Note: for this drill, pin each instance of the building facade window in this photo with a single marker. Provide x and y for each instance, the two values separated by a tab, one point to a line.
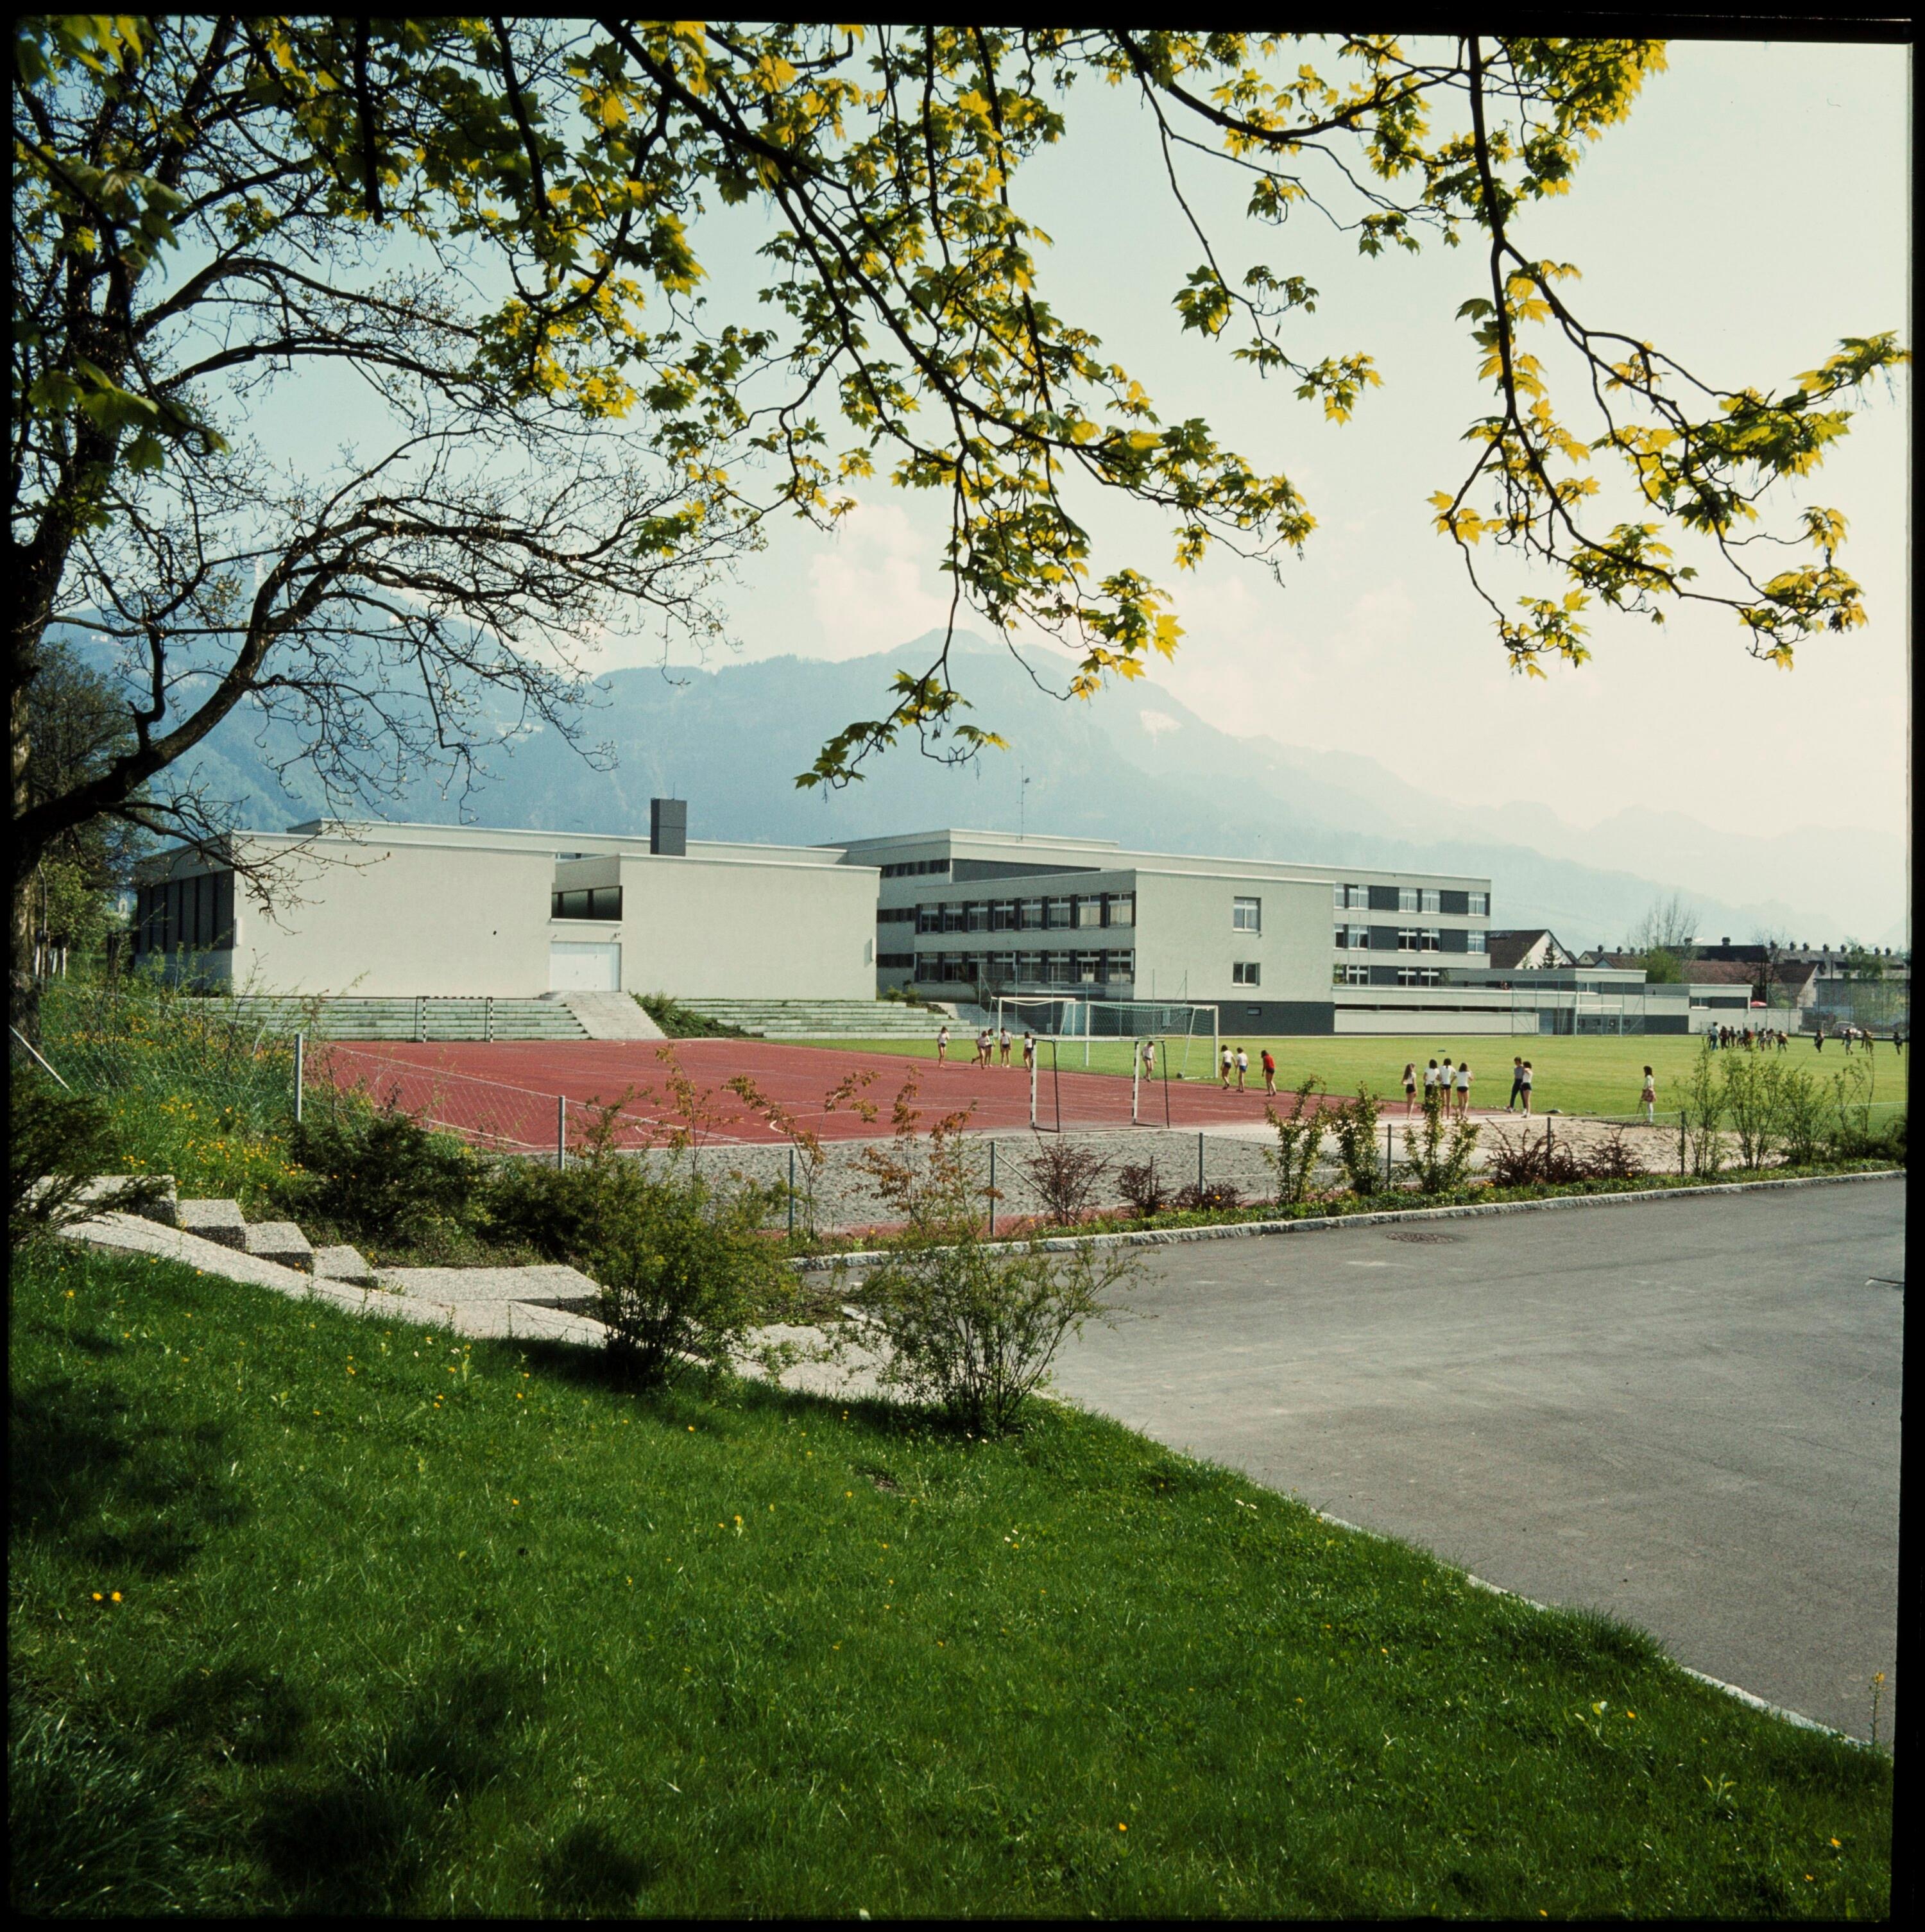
1003	916
1475	941
590	902
1480	905
1432	898
1407	899
892	962
1032	915
1407	939
1089	912
1123	909
1119	968
1433	941
1357	896
928	919
1350	976
979	916
1359	938
1246	915
1059	914
1246	972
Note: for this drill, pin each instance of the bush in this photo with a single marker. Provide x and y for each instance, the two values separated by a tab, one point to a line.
1803	1116
1439	1164
1701	1104
1299	1136
1752	1097
378	1174
683	1270
1612	1157
1209	1197
971	1329
1545	1161
1065	1177
1141	1188
968	1327
1354	1125
681	1022
57	1144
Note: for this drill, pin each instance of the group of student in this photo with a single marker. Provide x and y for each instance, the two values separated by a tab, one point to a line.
1858	1035
1753	1038
1447	1088
1234	1063
988	1044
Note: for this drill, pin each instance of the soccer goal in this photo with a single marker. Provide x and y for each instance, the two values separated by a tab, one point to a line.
1180	1026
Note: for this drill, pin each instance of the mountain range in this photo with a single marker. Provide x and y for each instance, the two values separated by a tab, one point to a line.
1136	765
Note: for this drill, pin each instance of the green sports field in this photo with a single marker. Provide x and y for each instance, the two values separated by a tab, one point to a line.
1573	1075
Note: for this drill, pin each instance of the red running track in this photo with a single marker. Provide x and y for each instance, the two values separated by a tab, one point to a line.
797	1078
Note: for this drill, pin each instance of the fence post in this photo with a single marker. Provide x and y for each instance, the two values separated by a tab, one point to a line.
1389	1164
1135	1079
300	1073
488	1018
792	1194
561	1133
1199	1161
1680	1143
420	1018
992	1190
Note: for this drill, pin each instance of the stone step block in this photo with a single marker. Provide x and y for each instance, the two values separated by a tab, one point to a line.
279	1241
220	1221
342	1263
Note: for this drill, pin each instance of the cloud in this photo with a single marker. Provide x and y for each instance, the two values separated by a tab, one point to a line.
872	585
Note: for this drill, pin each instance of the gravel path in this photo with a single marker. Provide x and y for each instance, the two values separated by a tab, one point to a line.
846	1195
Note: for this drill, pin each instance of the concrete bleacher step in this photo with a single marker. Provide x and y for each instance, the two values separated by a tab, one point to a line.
821	1019
350	1017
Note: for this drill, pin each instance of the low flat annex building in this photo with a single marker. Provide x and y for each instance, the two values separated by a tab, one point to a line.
387	911
1278	948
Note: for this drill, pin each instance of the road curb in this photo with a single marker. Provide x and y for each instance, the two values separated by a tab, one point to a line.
1242	1230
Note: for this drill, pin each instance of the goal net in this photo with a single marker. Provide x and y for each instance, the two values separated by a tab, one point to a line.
1185	1032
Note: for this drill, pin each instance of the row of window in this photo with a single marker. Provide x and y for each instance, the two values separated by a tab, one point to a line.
1348	975
1017	969
195	915
1409	939
1095	909
589	902
1410	899
914	868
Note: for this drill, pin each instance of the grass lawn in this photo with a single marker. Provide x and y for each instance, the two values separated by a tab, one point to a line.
309	1614
1575	1074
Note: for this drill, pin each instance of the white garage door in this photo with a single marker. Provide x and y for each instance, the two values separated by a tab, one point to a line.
575	966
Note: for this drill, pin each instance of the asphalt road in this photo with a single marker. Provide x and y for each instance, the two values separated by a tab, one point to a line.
1685	1413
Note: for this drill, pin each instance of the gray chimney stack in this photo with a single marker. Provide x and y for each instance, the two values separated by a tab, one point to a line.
668	827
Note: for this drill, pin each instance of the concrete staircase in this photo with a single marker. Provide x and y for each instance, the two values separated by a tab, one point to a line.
823	1019
425	1018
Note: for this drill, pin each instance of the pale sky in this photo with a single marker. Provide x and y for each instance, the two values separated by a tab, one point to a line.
1754	209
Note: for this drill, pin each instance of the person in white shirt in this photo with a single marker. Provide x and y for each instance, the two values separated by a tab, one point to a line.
1003	1042
1446	1082
1524	1079
1463	1091
1650	1097
1430	1086
1149	1059
1229	1062
1029	1049
1242	1067
942	1046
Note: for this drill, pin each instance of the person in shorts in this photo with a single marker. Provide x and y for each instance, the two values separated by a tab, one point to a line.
1463	1091
1430	1086
1150	1059
1516	1082
1229	1067
1270	1072
1446	1083
1650	1097
1525	1078
1410	1086
942	1046
1003	1042
1242	1067
1029	1052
